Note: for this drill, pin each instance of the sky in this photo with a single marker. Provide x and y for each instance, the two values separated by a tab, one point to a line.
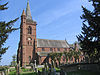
56	19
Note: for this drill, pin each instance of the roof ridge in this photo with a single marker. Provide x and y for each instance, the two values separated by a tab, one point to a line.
50	39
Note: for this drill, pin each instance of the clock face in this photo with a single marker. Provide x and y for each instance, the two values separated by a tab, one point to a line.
29	38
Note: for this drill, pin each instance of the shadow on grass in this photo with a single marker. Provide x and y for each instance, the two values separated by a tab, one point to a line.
83	73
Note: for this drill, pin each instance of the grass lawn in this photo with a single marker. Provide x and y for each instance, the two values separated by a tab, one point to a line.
23	73
28	73
12	73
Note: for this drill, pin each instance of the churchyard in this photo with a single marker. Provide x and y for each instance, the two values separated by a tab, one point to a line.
68	69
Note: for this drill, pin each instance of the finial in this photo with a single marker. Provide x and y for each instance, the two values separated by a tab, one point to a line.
65	39
23	13
27	1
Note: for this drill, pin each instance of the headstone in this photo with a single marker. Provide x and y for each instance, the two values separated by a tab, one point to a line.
54	71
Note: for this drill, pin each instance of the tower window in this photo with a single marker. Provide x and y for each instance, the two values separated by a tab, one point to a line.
28	42
29	30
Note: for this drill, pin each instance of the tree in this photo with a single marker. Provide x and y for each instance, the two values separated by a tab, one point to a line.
89	38
76	55
14	59
58	57
66	56
70	54
53	59
5	29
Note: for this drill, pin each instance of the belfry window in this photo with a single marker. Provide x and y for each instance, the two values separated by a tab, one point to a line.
29	30
28	42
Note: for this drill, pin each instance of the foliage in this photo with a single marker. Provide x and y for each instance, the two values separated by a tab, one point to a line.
3	68
58	57
76	54
72	53
12	72
12	69
5	29
40	69
66	56
53	59
3	7
13	63
57	69
89	38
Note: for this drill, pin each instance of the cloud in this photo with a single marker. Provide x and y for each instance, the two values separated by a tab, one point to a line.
50	15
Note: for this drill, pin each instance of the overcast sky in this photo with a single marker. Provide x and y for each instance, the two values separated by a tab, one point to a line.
56	19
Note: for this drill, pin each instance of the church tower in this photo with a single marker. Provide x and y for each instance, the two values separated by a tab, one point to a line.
27	45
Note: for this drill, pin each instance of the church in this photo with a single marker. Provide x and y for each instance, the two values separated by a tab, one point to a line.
30	48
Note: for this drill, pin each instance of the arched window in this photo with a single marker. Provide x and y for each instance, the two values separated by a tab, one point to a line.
28	42
29	30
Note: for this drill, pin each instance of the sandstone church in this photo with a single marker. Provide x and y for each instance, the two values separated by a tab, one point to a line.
30	48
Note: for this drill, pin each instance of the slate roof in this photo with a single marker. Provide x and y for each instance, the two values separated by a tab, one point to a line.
52	43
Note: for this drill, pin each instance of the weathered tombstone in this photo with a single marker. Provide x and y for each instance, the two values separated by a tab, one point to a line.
39	73
33	67
57	73
44	71
62	72
35	63
49	70
8	71
3	73
18	69
54	71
